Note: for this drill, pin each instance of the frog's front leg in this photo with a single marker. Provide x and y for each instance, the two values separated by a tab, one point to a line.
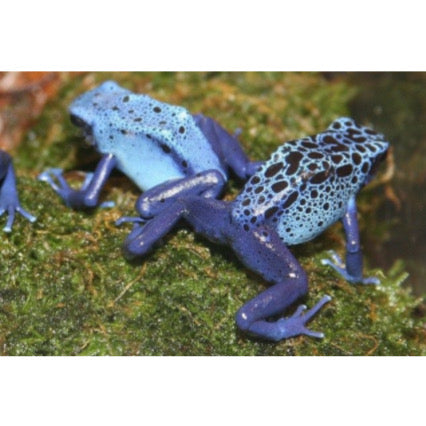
227	147
9	201
352	269
207	184
88	195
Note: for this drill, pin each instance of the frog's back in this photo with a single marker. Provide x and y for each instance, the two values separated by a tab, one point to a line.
153	141
305	185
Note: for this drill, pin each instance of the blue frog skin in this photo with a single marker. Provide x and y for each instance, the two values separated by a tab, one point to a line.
9	201
304	187
164	149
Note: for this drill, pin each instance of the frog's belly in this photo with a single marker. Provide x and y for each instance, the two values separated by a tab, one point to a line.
148	167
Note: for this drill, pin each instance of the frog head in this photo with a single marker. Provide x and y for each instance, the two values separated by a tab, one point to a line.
376	158
368	148
91	108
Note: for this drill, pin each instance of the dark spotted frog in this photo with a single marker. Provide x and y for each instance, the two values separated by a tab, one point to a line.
304	187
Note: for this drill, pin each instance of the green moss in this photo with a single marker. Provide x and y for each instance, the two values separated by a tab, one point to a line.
68	290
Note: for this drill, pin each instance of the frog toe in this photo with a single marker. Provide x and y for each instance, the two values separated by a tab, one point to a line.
26	214
370	281
8	227
55	171
303	316
337	264
11	206
129	219
335	259
10	218
296	324
311	333
107	204
50	175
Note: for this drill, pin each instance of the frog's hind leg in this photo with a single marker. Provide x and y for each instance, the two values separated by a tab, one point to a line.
263	252
260	249
143	237
226	147
207	184
206	215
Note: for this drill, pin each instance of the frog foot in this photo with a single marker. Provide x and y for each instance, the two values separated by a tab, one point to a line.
339	266
50	175
11	205
54	177
295	325
130	219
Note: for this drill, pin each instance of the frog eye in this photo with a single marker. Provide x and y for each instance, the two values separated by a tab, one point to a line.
77	121
377	160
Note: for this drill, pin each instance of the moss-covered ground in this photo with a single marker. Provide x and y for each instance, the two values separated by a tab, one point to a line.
67	290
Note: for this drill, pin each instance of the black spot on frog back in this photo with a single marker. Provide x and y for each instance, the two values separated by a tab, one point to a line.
273	169
345	170
293	160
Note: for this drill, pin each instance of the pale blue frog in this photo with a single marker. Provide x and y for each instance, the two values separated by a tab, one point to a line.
164	149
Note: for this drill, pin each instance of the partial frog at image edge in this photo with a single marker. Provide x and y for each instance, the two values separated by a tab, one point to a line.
9	201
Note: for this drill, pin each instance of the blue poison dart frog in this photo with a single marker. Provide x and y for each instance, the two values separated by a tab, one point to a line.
9	202
164	149
304	187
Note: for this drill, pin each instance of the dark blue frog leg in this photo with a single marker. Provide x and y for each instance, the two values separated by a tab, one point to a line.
352	270
9	201
226	147
142	238
207	184
89	193
264	253
260	249
192	208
